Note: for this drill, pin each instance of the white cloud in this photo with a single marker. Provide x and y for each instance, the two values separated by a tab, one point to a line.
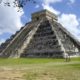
9	19
46	5
71	23
50	8
69	20
48	2
37	6
71	1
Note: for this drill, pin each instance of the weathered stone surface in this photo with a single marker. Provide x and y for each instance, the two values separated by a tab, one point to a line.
42	37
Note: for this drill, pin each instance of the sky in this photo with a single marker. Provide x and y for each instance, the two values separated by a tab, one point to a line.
68	12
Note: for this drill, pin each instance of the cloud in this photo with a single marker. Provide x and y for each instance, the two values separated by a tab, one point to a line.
9	19
37	6
50	8
71	1
46	5
48	2
71	23
69	20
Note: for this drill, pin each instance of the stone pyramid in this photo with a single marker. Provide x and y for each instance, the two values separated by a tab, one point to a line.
42	37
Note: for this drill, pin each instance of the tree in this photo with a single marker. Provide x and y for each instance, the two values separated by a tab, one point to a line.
17	3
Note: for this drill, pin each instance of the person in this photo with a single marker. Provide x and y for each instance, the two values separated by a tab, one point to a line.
67	57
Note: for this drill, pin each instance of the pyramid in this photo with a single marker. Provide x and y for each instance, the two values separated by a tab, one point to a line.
44	36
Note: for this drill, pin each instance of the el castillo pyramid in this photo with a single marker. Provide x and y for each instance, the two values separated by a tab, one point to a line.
42	37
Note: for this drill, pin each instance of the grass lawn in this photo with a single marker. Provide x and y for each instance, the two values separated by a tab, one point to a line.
39	69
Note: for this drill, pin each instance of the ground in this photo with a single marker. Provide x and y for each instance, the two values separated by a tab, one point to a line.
39	69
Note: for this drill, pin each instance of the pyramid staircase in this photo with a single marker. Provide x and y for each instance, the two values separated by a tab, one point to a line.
44	43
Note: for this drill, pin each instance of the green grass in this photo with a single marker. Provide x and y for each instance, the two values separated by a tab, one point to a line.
75	59
19	61
40	69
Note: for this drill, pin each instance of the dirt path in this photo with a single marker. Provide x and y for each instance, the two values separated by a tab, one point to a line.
11	75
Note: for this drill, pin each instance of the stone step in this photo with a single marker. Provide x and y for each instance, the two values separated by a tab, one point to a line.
45	37
47	41
43	46
44	29
35	51
45	32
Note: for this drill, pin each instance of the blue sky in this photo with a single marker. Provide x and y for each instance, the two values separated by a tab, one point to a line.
68	12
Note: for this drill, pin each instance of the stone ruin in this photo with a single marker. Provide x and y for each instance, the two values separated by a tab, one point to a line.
44	36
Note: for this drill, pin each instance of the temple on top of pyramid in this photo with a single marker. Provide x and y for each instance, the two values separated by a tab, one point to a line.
43	15
42	37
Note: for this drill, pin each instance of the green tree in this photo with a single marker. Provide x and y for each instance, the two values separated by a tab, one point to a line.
17	3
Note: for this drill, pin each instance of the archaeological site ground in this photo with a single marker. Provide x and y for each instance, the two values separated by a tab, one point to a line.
39	51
